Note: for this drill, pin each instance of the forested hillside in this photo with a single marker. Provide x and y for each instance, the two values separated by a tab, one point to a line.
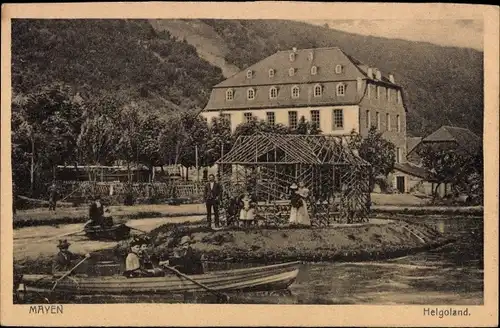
107	56
443	85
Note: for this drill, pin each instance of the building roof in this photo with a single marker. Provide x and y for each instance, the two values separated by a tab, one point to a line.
462	137
325	59
411	143
413	170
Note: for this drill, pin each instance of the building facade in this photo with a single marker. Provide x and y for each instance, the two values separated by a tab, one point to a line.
324	85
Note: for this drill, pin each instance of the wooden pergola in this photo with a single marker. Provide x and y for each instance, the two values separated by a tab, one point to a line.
267	164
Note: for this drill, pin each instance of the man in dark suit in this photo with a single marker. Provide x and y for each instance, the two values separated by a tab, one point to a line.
213	194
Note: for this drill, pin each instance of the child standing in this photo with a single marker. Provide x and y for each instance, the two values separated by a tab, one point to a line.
247	213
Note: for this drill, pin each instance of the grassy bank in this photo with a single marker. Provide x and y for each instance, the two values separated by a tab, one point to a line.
380	239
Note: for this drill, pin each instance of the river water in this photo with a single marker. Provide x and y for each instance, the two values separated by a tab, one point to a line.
451	275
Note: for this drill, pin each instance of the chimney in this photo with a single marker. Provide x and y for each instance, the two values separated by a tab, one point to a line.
391	78
370	72
378	75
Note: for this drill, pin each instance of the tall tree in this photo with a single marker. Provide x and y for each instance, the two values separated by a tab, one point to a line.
44	127
99	133
448	164
377	151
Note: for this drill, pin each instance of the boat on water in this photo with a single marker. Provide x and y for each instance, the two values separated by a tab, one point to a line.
113	232
263	278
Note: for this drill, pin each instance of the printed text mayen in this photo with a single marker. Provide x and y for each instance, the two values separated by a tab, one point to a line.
46	309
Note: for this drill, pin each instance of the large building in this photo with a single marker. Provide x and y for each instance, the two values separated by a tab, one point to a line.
324	85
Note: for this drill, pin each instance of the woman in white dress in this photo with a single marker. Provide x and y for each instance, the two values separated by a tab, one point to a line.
302	213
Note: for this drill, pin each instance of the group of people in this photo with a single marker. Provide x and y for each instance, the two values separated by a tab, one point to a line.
243	208
139	262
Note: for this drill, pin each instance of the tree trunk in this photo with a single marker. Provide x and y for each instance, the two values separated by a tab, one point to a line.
434	194
32	171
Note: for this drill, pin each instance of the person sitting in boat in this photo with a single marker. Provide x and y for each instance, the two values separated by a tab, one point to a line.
65	260
96	212
149	262
186	261
134	266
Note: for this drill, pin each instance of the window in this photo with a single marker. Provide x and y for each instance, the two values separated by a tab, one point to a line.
369	91
398	123
229	94
377	115
291	71
338	119
359	84
398	155
388	95
368	119
292	57
318	90
292	119
310	56
314	70
388	121
271	118
249	74
273	93
271	72
315	118
341	89
398	98
338	69
248	117
226	117
250	94
295	92
378	92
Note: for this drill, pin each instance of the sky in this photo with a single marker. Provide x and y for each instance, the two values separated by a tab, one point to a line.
465	33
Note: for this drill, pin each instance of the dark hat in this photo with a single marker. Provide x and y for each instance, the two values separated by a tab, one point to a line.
63	244
138	241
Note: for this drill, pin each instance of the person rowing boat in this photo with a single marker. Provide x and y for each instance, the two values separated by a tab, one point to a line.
64	260
185	260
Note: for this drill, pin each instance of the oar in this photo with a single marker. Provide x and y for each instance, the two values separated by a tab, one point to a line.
67	273
144	232
224	297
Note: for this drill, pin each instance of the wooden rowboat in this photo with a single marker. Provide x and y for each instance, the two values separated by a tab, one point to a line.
264	278
114	232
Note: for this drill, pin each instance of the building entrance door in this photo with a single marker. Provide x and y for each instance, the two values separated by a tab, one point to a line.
400	184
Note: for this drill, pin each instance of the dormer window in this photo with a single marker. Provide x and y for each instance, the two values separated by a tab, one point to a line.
318	90
291	71
271	72
250	94
292	56
295	92
273	93
314	70
310	56
341	89
339	69
249	74
229	94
